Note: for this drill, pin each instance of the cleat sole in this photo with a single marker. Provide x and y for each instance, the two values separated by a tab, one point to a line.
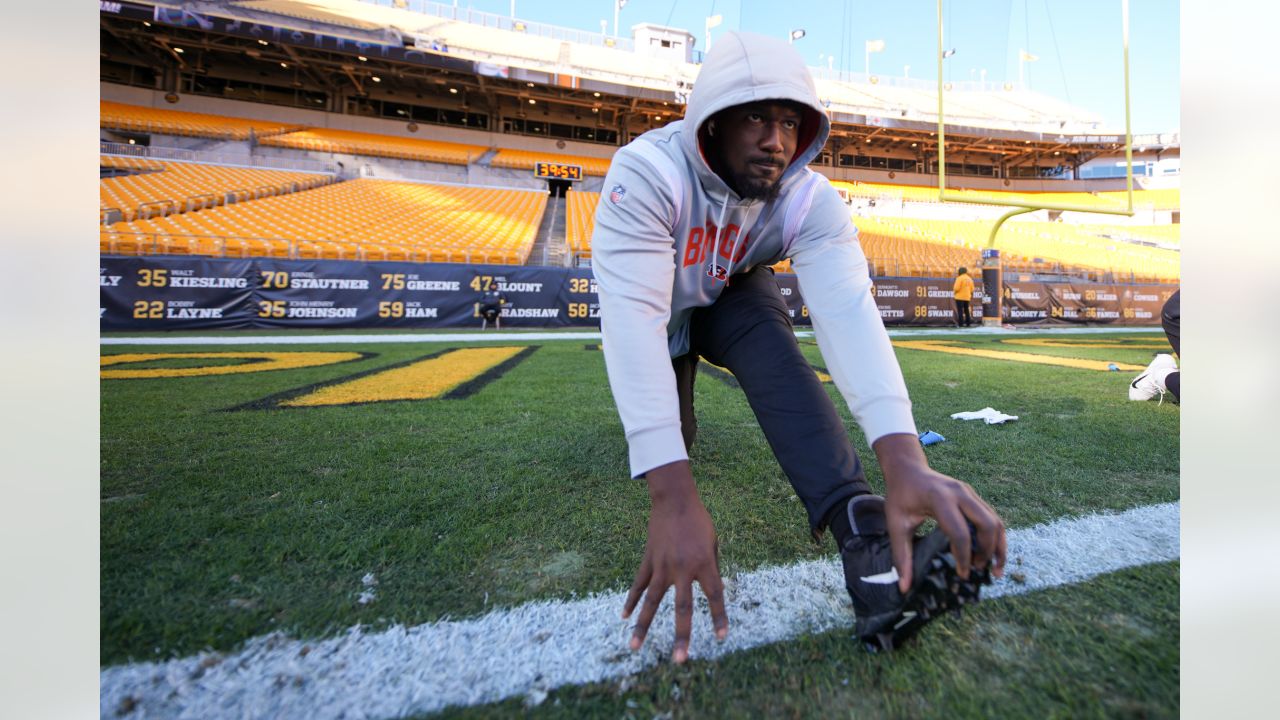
939	591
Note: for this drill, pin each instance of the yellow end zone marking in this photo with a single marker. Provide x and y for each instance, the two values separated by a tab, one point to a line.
423	380
1067	343
261	362
939	346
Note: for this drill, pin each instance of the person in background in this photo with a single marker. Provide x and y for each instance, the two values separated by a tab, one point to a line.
962	291
491	304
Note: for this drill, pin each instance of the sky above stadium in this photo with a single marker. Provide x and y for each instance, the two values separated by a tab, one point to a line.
1076	43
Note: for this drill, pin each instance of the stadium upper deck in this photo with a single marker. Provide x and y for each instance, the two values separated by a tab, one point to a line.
424	62
497	40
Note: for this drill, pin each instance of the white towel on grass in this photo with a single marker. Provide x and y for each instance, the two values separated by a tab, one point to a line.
990	415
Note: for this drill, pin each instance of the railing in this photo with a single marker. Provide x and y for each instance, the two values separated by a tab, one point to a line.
504	22
148	210
150	128
408	173
197	156
208	200
234	246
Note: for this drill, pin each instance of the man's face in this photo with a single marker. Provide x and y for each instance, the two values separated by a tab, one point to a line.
752	145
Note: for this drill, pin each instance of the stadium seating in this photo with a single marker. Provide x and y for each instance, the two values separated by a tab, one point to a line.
927	247
525	159
1113	200
359	219
137	118
322	11
136	164
916	247
166	187
360	143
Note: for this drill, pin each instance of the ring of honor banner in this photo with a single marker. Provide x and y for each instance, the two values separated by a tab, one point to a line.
1064	303
901	301
169	293
186	293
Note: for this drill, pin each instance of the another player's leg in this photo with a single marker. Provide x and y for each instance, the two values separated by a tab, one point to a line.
1162	374
1171	319
748	331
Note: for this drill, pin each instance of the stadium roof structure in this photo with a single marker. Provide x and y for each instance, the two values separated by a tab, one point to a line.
497	62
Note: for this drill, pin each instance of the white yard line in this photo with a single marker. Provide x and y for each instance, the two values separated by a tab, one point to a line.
538	646
534	336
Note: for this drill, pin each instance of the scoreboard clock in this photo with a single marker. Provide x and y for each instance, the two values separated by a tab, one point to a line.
557	171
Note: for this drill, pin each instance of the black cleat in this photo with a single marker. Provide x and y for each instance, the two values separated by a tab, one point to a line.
886	619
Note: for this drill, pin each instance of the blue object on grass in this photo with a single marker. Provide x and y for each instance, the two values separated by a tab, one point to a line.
929	437
1113	367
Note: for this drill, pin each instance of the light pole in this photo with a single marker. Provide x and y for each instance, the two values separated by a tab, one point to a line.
872	46
794	35
1024	57
617	5
713	21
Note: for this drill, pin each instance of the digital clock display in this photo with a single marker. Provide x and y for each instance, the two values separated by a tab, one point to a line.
559	171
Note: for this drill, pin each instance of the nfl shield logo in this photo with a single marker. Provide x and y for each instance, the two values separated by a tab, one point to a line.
616	194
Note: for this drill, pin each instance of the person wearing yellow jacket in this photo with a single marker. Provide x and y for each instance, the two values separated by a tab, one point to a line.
962	291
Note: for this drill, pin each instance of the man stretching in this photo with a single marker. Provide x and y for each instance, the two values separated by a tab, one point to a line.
690	218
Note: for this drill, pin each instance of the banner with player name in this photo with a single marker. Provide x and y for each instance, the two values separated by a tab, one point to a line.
178	293
901	301
1065	303
172	293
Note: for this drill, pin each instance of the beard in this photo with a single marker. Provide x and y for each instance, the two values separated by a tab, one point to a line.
755	188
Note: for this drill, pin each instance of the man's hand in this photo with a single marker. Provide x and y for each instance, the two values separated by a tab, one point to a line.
681	548
914	491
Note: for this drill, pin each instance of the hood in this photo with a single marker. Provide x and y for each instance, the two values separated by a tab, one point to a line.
745	67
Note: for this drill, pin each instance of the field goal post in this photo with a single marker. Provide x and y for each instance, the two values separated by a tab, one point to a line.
990	256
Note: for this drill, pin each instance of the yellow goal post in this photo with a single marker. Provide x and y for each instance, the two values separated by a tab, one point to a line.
1024	207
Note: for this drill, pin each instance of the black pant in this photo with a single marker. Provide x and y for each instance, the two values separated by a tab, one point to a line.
748	331
1171	319
962	313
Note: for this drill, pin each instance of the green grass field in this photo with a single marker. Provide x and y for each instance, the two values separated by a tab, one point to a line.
226	516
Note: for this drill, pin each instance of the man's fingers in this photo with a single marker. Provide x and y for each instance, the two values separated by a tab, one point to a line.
713	588
987	526
952	523
1002	550
652	599
900	546
994	552
637	589
684	621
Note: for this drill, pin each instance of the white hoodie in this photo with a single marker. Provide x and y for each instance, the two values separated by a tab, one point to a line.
664	215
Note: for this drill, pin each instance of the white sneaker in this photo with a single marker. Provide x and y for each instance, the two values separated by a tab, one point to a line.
1150	384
